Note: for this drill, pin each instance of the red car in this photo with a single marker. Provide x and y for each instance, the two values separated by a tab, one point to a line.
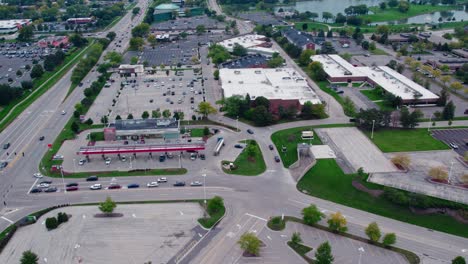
72	188
114	186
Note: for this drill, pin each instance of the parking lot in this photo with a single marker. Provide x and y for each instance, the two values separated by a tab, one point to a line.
262	18
182	93
149	232
459	138
15	57
182	24
172	53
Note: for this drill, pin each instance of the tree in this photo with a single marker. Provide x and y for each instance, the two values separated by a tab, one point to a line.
365	44
313	111
152	40
141	30
251	150
166	113
296	238
403	6
62	217
317	71
449	111
275	61
136	43
206	131
29	257
75	127
104	119
326	16
304	58
261	116
323	254
25	33
156	113
383	5
77	40
389	239
26	85
206	109
311	215
409	120
402	160
373	232
215	205
37	71
200	29
239	50
250	243
337	222
145	115
51	223
135	10
438	173
130	116
216	74
459	260
456	86
107	206
349	107
118	117
111	35
89	121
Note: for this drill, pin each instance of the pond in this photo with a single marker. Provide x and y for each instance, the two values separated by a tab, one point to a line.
436	17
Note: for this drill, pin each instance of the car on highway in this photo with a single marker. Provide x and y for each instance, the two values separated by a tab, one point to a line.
152	184
72	188
6	145
51	190
250	131
108	161
179	183
196	183
3	164
133	186
162	179
96	186
37	175
72	184
453	145
41	138
271	147
114	186
43	185
277	159
92	178
36	190
82	162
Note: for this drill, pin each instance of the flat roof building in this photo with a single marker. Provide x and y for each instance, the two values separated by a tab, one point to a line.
12	25
167	128
339	70
273	84
131	69
253	43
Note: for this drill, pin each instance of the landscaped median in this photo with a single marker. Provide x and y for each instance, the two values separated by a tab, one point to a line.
215	209
148	172
250	161
302	249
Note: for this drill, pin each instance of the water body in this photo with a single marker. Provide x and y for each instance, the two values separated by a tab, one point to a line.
332	6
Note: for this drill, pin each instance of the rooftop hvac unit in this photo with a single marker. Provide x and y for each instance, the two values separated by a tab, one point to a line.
258	72
241	82
347	73
237	72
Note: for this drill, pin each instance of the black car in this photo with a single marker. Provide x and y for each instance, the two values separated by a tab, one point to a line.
270	147
133	185
202	156
3	165
6	146
277	159
92	178
179	183
36	190
238	146
250	131
162	158
51	189
41	138
72	184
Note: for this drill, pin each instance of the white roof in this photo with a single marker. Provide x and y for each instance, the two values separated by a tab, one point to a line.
13	23
335	66
283	83
250	42
395	83
138	68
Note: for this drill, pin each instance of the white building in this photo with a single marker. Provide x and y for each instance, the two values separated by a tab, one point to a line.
253	43
12	25
273	84
339	71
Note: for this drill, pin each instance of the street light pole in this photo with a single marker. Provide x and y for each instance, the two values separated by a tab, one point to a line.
204	188
450	172
429	125
63	180
372	134
237	124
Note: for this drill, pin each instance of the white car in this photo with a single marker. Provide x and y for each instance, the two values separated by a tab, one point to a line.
163	179
81	162
108	161
63	112
43	185
96	186
453	145
152	184
123	158
196	183
38	175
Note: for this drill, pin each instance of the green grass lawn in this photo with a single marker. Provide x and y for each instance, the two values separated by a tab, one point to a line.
390	14
302	250
312	26
396	140
291	137
208	222
326	180
373	94
378	52
247	166
196	132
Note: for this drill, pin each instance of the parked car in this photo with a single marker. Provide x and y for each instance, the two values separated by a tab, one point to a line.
43	185
36	190
196	183
108	161
46	181
6	145
96	186
277	159
3	164
202	156
51	190
152	184
114	186
238	146
92	178
37	175
453	145
162	158
133	185
179	183
41	138
82	162
71	189
250	131
271	147
72	184
162	179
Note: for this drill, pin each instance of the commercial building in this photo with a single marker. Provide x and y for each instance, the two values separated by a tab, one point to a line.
164	12
12	25
54	41
255	44
166	128
80	20
301	39
248	61
127	69
283	87
339	71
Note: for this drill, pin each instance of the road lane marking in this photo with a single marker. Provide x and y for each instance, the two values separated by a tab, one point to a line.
6	219
34	184
258	217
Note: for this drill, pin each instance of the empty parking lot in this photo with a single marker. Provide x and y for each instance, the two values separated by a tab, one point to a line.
150	232
458	137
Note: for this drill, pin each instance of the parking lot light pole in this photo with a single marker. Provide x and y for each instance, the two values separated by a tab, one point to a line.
63	180
204	188
237	124
430	121
74	165
372	133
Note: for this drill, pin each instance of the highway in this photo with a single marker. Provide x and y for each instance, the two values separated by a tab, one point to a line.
249	200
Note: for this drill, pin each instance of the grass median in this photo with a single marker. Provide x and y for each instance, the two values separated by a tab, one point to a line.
250	161
327	181
41	85
392	13
398	140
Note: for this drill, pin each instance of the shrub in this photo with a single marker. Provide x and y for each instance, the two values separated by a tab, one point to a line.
62	217
51	223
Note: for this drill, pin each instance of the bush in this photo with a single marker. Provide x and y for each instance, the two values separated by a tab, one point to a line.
51	223
62	217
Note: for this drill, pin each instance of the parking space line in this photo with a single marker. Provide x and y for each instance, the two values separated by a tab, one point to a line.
32	186
6	219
